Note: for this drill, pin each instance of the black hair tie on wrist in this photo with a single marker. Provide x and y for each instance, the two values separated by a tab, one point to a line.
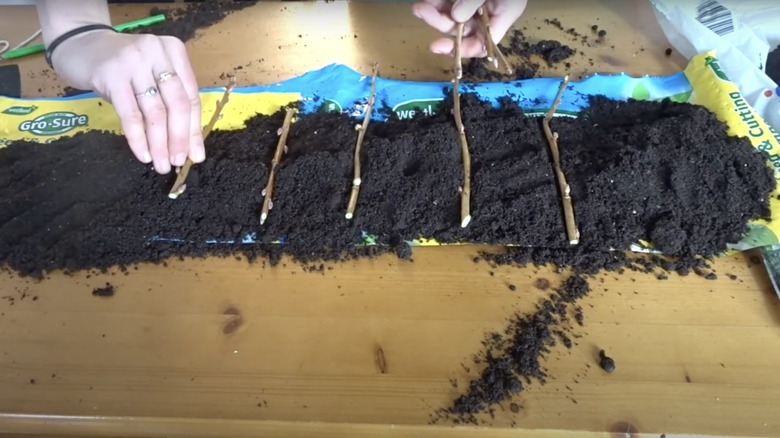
71	33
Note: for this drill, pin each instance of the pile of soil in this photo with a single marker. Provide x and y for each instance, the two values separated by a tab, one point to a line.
663	171
184	22
519	54
85	202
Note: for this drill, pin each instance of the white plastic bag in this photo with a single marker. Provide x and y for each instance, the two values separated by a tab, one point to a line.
742	32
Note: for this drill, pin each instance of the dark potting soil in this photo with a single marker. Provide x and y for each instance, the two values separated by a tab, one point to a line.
184	22
85	202
513	358
313	184
773	65
638	170
606	362
518	53
106	291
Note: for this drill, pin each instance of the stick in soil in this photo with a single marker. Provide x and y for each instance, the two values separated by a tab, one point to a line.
179	185
268	191
552	138
494	55
353	197
465	194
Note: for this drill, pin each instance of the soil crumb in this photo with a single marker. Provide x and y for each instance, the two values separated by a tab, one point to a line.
606	363
542	284
106	291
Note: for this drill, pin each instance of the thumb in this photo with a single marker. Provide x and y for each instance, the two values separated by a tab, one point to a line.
463	10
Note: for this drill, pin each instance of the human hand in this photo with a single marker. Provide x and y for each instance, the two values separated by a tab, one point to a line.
151	84
444	15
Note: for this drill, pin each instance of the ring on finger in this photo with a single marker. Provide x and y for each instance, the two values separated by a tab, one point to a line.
164	76
151	91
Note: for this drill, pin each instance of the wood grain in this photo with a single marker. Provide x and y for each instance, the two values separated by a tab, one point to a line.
218	347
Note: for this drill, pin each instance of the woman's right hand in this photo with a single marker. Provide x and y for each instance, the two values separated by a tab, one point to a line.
444	15
151	84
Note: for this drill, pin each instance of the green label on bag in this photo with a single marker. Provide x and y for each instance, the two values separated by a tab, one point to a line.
20	110
54	123
330	106
713	63
411	108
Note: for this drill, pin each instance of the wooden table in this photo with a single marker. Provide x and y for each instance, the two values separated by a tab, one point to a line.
694	356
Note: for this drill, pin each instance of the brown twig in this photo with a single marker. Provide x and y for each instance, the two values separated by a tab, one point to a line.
494	55
268	192
179	185
465	194
353	197
552	138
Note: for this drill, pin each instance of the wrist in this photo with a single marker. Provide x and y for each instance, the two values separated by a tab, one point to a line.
73	36
58	17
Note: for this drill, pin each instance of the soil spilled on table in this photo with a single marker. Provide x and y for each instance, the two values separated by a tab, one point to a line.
512	359
106	291
184	22
527	58
523	56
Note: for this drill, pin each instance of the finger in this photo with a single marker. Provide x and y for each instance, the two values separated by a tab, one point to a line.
440	5
504	16
442	21
177	106
122	98
463	10
155	119
433	17
177	54
473	47
443	46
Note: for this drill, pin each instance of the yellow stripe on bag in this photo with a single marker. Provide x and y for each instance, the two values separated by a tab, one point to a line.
46	120
713	90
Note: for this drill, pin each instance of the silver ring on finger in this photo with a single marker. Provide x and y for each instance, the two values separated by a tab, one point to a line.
151	91
164	76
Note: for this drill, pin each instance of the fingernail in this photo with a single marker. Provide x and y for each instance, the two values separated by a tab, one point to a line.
162	167
146	158
179	160
457	13
440	51
198	154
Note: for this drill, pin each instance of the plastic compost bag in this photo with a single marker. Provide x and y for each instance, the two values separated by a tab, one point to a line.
339	88
741	32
